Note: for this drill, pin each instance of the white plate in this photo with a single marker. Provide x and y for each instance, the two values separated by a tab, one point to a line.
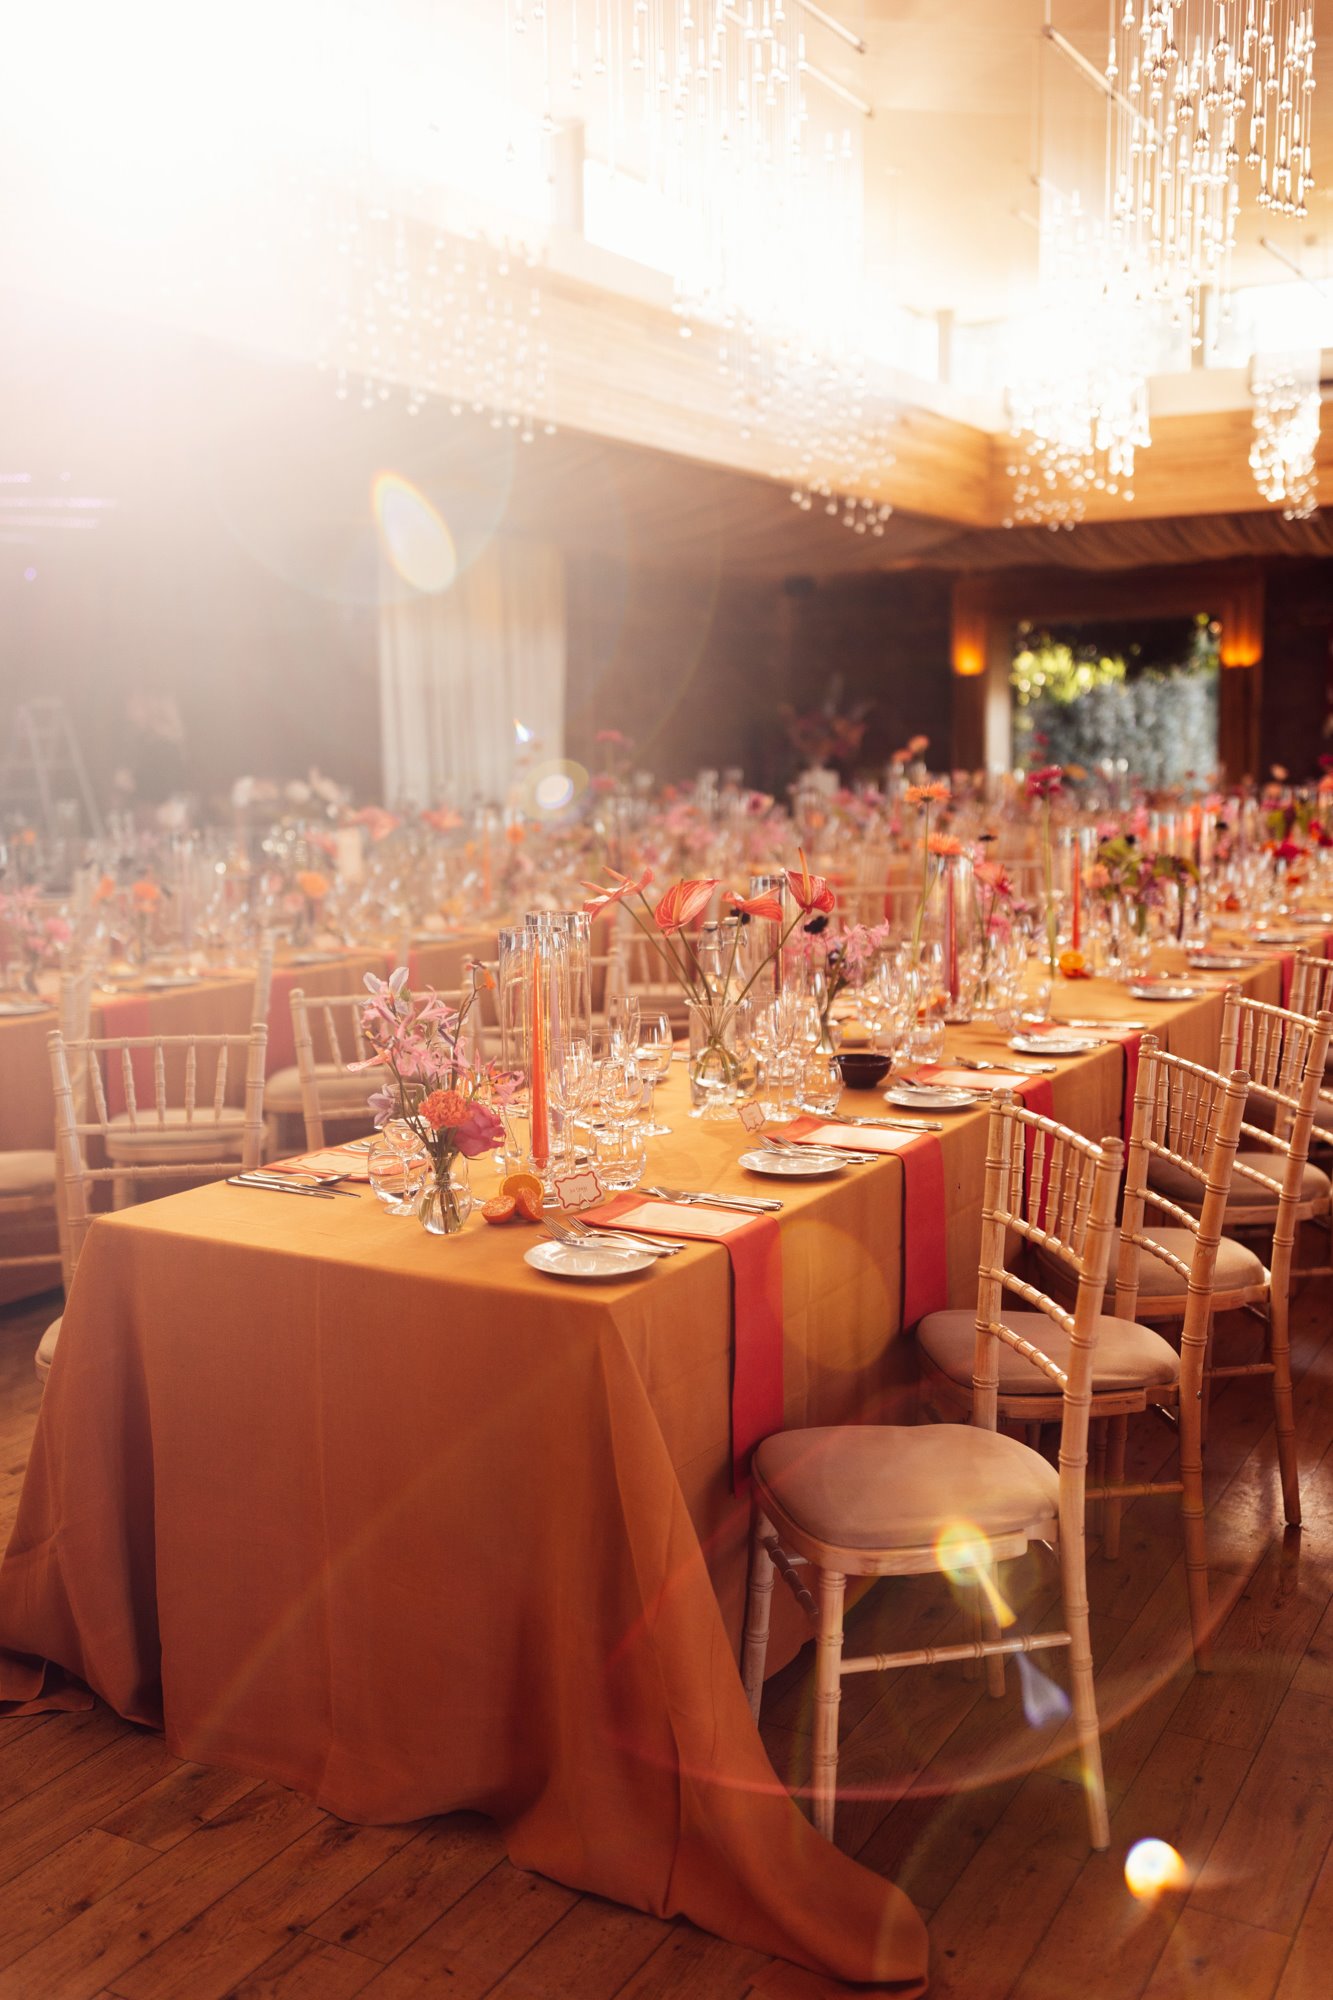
24	1007
931	1097
1052	1045
1167	989
158	982
556	1260
1217	961
787	1167
1280	937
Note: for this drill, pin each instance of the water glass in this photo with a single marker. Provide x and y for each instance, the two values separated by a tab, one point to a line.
821	1084
397	1165
620	1156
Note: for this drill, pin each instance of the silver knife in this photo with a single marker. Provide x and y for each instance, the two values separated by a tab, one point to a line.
281	1187
884	1124
704	1200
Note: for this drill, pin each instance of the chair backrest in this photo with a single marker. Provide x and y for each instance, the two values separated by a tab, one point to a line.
264	977
326	1029
1311	984
76	1125
1190	1118
1050	1187
1284	1055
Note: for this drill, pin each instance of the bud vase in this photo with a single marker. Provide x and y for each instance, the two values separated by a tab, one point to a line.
445	1202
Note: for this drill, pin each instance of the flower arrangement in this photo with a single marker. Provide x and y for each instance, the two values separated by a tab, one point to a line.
825	735
842	959
450	1102
38	937
708	988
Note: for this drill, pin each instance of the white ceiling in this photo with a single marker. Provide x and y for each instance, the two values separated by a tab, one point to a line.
970	102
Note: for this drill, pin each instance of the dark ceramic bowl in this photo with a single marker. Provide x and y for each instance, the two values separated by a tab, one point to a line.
862	1069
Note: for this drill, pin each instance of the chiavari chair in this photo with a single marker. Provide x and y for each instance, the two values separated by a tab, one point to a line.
201	1137
330	1094
1135	1369
876	1500
28	1175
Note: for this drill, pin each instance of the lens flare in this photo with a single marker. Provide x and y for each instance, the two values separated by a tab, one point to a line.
522	734
549	787
416	543
1152	1866
1044	1700
964	1554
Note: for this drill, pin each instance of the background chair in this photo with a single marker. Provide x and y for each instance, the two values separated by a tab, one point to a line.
198	1135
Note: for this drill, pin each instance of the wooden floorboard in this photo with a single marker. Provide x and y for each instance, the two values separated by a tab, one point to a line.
126	1874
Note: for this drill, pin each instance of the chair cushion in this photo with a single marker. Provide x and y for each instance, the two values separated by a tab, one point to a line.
46	1349
1127	1356
1245	1195
28	1173
1237	1267
175	1136
337	1090
881	1486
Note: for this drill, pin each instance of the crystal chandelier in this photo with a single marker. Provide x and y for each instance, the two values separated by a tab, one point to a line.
1286	395
1077	392
1195	86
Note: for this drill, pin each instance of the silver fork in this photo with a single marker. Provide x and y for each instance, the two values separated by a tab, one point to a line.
790	1149
1006	1069
572	1232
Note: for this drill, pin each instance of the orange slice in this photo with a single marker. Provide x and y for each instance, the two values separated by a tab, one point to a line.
517	1184
502	1208
529	1205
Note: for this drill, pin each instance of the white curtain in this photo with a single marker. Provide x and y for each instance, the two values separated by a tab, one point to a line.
461	671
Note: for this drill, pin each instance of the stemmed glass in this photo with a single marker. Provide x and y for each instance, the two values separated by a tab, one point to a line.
653	1060
622	1019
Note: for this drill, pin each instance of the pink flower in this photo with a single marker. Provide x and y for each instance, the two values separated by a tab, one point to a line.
1045	783
682	903
480	1131
810	892
603	898
757	906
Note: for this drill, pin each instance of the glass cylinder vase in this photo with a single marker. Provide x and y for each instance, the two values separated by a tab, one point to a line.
445	1201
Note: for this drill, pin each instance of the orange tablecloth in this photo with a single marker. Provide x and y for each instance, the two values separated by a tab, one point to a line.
400	1523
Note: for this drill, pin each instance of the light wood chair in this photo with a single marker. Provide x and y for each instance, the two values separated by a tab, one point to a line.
878	1500
200	1137
1273	1190
330	1094
1135	1368
28	1175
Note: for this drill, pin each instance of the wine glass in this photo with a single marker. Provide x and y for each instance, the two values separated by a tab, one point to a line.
653	1060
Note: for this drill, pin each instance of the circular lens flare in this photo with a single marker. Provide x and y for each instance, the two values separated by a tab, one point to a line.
1152	1866
416	543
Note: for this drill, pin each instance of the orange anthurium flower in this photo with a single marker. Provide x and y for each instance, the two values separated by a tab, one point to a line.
756	906
312	884
146	894
682	903
811	892
603	898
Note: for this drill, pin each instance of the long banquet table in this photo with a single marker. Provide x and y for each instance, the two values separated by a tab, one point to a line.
404	1525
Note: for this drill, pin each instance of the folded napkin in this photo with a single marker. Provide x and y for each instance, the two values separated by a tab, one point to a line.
981	1080
925	1262
351	1164
754	1247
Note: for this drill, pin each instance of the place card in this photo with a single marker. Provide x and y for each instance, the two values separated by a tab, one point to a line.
751	1117
579	1188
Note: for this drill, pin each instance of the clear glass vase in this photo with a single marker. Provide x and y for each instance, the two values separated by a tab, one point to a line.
445	1201
721	1064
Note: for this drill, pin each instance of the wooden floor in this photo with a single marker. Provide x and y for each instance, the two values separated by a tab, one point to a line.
126	1872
